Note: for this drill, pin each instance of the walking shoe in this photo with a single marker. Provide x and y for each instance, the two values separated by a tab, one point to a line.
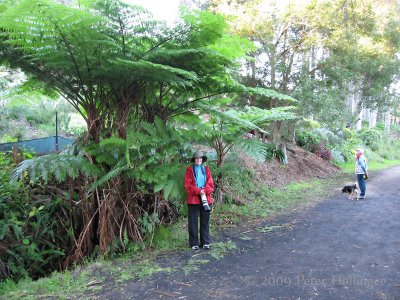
206	247
195	247
361	197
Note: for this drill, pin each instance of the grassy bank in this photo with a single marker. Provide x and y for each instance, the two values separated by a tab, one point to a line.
140	261
372	165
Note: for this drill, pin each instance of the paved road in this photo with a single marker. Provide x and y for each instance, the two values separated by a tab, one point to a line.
339	249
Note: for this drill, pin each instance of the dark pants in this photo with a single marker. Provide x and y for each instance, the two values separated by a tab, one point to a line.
193	224
361	184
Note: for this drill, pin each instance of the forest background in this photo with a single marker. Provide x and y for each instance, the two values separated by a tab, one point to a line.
233	78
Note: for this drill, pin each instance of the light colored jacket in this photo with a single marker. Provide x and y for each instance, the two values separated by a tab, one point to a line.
361	165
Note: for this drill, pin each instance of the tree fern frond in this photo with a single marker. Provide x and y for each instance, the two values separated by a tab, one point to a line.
20	170
261	116
230	118
54	166
44	172
253	148
152	72
116	171
270	94
237	88
113	141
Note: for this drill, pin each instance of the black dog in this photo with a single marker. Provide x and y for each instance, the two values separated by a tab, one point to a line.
352	190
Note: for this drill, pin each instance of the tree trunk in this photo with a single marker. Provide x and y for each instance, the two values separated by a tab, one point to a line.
387	122
359	120
218	188
282	147
93	123
253	81
292	132
107	217
218	181
351	97
122	118
373	114
276	132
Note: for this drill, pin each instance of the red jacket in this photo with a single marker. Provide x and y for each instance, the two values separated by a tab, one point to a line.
193	192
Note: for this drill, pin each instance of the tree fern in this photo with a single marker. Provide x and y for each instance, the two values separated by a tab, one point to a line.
83	52
162	169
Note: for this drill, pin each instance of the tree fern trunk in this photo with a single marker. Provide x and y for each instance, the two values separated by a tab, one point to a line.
218	182
93	123
276	132
218	189
122	115
84	222
107	218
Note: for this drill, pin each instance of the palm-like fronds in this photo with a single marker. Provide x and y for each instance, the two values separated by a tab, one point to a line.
253	148
54	166
152	72
119	168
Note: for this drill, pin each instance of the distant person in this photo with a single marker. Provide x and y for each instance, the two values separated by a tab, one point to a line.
199	185
361	171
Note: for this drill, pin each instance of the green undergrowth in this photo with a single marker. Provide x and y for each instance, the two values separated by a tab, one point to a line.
263	202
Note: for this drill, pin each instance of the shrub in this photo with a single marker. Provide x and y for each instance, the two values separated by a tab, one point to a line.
6	138
372	137
16	112
327	137
337	156
33	229
324	153
380	126
273	152
308	140
238	180
42	114
389	149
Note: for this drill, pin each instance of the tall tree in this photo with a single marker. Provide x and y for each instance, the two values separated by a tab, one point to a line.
315	50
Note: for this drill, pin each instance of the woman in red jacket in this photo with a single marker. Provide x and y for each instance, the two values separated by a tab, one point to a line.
199	185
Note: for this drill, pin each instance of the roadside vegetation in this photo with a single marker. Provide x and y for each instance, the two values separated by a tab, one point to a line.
148	95
140	258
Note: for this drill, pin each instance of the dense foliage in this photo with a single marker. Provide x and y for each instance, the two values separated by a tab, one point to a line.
35	227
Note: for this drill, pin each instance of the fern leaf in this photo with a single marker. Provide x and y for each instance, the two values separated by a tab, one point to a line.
168	188
253	148
116	171
159	187
55	166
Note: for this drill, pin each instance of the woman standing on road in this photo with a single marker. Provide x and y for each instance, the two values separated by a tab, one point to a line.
361	171
199	185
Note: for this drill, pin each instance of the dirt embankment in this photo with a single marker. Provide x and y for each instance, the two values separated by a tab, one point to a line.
301	165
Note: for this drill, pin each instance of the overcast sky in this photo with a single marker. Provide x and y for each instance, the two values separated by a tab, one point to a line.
162	9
